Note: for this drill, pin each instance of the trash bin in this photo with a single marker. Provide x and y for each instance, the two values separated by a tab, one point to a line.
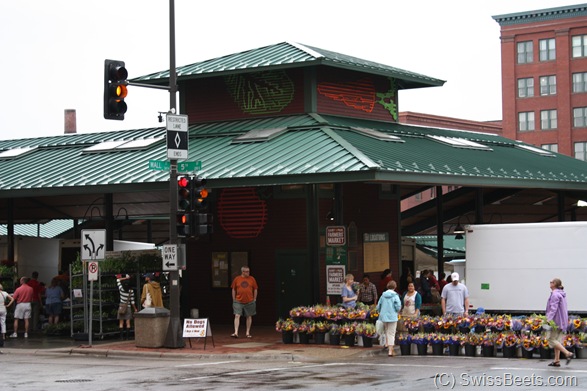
151	327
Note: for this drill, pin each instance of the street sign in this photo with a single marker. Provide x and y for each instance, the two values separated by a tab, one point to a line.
177	136
170	258
93	245
159	165
93	271
189	166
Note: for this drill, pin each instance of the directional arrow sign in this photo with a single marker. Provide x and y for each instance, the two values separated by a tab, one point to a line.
177	136
93	245
169	257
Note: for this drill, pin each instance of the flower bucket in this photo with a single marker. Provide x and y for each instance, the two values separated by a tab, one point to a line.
545	353
428	328
319	338
335	339
349	340
422	349
470	350
304	338
581	352
438	349
405	349
287	337
480	329
510	352
453	349
488	351
367	341
527	353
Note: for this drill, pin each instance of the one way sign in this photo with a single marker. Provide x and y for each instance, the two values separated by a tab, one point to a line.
170	258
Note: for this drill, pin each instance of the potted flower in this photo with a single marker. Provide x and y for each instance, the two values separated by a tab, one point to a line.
286	327
544	348
412	325
454	342
405	343
529	343
334	334
421	342
435	340
347	330
304	330
488	344
428	323
367	331
510	345
471	341
464	324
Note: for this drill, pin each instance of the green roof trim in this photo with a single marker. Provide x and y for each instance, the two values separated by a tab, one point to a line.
288	55
308	149
571	11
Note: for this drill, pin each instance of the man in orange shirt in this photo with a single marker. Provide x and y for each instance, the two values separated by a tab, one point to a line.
37	302
244	300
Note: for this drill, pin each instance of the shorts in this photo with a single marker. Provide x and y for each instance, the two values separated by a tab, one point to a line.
22	311
248	309
54	308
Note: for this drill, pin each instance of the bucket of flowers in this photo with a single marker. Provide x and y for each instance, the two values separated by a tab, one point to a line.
534	323
334	334
576	325
529	343
488	344
412	324
544	348
332	313
471	341
454	342
421	342
464	324
428	323
347	331
446	324
435	340
516	325
304	330
481	323
511	342
405	343
286	327
367	332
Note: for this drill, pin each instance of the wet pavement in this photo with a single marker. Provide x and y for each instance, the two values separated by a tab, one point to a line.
266	343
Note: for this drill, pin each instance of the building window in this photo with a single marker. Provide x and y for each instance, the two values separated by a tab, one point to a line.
547	85
580	82
550	147
580	151
525	52
580	46
548	119
526	121
547	49
525	88
580	117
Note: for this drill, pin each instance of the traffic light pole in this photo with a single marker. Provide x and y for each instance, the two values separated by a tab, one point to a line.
174	337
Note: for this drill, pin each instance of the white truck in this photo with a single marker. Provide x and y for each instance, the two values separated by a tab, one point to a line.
509	266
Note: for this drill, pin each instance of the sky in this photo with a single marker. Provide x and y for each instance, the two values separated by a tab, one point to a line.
53	52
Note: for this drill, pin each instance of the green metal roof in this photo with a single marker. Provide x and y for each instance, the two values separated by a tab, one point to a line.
50	229
570	11
289	55
314	149
453	248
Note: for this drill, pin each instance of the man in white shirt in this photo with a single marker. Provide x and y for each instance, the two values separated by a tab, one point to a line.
454	297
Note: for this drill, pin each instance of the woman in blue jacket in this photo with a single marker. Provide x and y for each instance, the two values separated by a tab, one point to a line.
388	307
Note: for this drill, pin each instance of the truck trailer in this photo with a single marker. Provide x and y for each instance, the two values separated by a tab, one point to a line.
509	266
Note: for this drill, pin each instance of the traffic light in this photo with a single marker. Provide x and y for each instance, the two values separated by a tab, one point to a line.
199	195
183	214
202	224
115	75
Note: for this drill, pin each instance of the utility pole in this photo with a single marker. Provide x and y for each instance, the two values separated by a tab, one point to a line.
174	337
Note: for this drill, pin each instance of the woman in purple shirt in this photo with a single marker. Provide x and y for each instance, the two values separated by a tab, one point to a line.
556	310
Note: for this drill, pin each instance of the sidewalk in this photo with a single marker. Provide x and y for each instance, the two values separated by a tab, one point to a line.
265	344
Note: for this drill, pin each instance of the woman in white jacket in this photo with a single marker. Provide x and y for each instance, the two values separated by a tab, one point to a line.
388	306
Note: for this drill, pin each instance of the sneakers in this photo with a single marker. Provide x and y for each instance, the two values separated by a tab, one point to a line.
13	335
26	335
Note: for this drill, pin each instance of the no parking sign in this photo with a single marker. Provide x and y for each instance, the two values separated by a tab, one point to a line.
93	271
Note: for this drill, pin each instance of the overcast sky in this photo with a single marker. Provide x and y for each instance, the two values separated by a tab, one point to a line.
53	51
